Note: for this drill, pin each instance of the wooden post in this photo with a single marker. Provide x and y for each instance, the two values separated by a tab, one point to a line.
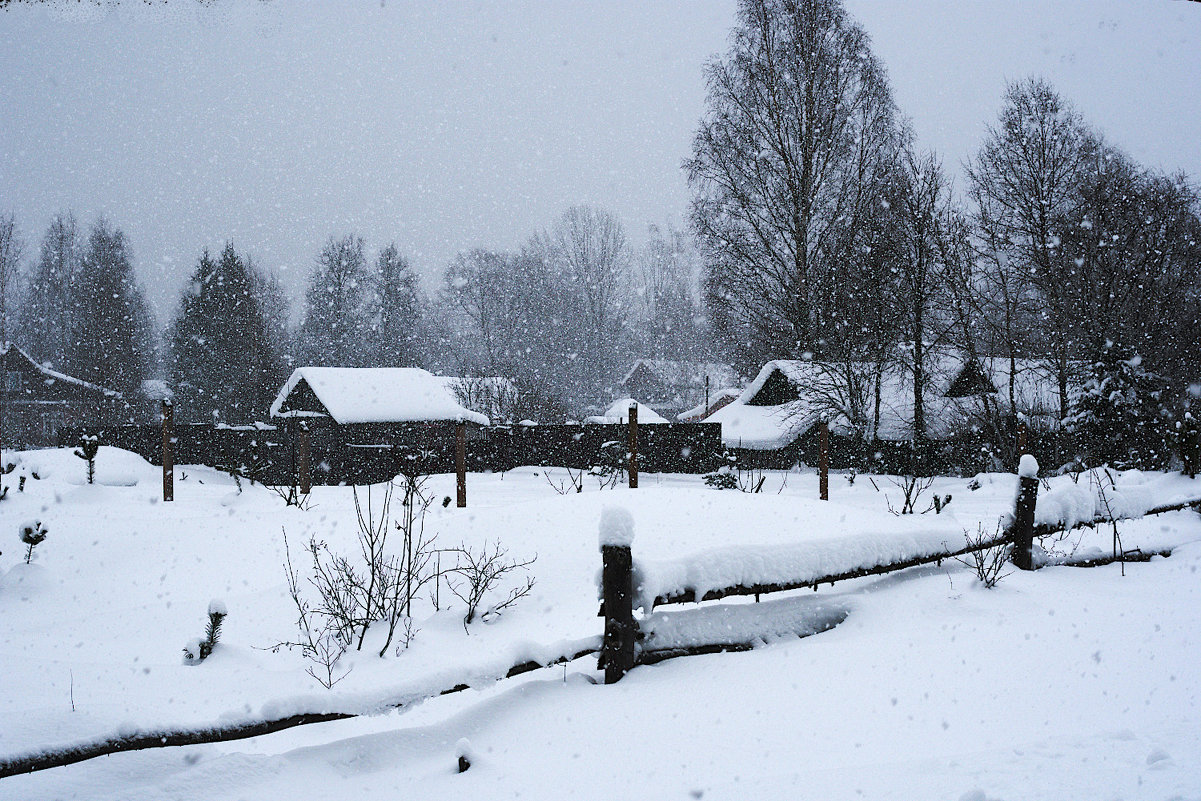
302	459
1023	515
168	451
632	447
1023	437
823	460
461	465
617	590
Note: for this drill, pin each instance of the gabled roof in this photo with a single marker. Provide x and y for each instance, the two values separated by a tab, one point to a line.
370	395
685	374
16	360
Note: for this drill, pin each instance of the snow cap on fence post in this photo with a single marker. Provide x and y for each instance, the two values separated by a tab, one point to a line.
1028	466
616	527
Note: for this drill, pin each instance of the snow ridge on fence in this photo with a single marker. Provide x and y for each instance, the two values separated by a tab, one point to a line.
750	566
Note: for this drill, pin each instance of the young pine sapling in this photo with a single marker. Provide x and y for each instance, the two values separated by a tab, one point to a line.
199	650
31	533
89	445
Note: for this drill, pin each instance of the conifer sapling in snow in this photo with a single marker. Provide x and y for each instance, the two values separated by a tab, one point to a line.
31	533
89	445
198	650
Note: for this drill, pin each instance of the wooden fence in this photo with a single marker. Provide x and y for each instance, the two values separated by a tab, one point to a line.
620	651
371	453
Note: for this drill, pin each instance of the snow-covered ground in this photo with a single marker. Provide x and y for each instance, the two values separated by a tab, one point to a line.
1062	683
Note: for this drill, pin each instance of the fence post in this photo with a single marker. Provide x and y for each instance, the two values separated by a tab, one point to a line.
302	458
1023	513
1023	437
461	465
617	591
168	451
632	446
823	459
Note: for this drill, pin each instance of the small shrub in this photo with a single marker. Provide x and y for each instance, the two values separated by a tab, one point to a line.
199	650
31	533
482	571
722	479
987	563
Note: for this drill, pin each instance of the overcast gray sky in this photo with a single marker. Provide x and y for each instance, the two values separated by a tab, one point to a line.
451	125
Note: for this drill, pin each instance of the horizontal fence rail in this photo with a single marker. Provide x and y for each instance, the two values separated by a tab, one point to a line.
689	596
116	744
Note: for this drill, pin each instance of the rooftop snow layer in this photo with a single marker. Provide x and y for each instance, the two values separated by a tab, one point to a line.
376	395
619	412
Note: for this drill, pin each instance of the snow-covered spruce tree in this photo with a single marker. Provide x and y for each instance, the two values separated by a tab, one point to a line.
1118	413
221	363
50	300
11	249
31	533
198	650
399	306
339	307
112	334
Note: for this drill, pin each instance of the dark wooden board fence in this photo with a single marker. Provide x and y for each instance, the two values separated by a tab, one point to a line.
371	453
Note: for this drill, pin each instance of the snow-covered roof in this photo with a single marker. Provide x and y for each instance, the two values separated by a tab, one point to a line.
822	388
717	400
682	375
374	395
8	349
619	412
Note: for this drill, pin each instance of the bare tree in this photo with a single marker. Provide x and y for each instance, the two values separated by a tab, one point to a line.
588	257
1025	181
665	283
924	213
794	113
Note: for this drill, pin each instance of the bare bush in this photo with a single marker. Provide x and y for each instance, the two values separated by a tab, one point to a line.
988	563
912	488
573	484
480	572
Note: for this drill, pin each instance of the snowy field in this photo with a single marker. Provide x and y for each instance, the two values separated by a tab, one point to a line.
1062	683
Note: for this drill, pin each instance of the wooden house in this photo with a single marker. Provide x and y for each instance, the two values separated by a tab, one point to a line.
36	401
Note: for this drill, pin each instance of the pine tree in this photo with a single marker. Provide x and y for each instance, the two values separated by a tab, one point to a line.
400	313
111	340
49	303
336	331
1118	414
222	364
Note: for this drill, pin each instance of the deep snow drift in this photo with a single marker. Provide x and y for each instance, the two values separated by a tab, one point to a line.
1062	683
